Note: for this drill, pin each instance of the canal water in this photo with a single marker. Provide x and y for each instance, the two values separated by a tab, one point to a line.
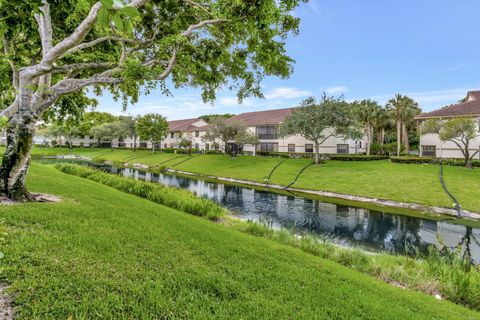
345	225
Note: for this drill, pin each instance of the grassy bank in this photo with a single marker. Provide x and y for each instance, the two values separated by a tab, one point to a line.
105	254
416	183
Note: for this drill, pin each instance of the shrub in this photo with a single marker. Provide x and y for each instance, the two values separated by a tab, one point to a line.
168	150
187	151
293	155
356	157
213	152
410	159
272	154
385	149
168	196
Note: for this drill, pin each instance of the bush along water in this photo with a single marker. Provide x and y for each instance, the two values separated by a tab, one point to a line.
168	196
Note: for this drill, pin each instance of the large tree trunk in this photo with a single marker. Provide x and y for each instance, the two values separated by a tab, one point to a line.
368	133
405	139
317	151
15	162
468	160
399	136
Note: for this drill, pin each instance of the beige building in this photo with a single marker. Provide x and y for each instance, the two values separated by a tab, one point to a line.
432	146
264	124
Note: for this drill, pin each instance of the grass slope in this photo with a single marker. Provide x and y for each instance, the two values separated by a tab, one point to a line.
106	254
417	183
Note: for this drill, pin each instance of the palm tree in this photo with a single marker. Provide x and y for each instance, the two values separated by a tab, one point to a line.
381	121
365	111
403	110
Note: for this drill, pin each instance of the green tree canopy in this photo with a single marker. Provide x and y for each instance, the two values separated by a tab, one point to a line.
52	51
460	131
319	120
225	131
152	127
366	112
404	110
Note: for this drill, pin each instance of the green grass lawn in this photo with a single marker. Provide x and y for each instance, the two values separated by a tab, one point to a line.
241	167
400	182
105	254
416	183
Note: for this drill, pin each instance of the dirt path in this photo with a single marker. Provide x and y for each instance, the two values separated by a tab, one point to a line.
6	310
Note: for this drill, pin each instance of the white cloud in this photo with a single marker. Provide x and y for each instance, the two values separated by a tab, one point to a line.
430	100
336	90
287	93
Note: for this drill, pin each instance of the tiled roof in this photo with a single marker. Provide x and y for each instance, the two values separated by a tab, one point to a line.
261	117
474	95
182	125
471	107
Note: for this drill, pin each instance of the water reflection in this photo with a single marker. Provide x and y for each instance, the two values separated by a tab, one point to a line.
345	225
341	224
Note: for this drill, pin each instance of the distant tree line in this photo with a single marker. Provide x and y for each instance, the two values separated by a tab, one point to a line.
105	127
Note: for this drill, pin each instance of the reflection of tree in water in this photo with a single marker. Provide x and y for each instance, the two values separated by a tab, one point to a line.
233	194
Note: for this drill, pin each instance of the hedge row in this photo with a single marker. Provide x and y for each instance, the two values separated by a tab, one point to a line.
179	199
429	160
356	157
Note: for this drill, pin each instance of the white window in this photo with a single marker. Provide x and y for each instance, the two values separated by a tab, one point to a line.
291	147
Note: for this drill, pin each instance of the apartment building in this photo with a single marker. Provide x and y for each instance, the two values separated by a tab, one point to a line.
265	125
432	146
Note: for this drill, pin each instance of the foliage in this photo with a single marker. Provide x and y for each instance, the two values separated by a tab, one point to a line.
93	119
3	123
210	117
404	110
245	137
109	131
63	50
225	131
171	197
460	131
319	120
367	113
386	149
358	157
152	127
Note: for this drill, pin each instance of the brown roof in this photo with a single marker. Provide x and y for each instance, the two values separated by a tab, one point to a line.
259	118
474	95
183	125
471	107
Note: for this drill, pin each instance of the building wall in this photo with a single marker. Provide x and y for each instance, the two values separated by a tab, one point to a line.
329	146
447	149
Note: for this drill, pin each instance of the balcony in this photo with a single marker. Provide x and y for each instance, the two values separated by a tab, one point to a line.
267	133
267	136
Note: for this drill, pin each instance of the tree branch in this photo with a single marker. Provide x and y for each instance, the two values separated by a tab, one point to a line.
459	146
474	154
195	4
97	41
71	41
201	24
7	51
10	111
82	66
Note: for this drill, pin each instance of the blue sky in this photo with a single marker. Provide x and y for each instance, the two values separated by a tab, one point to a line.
428	49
